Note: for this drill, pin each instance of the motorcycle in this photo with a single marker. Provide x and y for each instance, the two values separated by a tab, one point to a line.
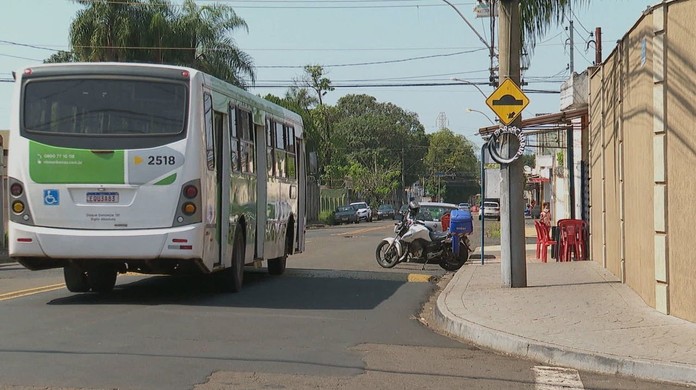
413	241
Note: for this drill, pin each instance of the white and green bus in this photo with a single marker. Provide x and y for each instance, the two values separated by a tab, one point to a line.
151	169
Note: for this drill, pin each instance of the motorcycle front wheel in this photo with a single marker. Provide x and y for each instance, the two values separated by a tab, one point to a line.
387	258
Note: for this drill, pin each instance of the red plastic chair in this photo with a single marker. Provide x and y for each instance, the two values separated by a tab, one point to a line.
543	240
445	219
572	237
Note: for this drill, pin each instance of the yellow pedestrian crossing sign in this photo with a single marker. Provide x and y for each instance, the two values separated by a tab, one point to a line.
507	101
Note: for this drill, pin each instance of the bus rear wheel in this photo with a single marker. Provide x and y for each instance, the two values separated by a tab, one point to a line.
75	279
102	279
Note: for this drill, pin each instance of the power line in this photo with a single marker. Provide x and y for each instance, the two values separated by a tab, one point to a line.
420	4
374	62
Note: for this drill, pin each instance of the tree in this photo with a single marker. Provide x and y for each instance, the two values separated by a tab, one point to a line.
366	127
451	159
60	57
156	31
322	116
315	79
536	16
204	29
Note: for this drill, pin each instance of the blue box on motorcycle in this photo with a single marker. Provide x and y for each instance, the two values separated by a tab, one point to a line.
461	222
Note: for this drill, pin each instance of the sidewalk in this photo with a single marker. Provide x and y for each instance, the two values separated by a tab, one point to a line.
572	314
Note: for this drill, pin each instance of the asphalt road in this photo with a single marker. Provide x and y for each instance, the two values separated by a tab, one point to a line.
334	320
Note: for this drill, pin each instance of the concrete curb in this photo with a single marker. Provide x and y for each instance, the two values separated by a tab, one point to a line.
552	354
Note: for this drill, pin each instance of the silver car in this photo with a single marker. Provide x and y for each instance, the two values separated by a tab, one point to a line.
431	213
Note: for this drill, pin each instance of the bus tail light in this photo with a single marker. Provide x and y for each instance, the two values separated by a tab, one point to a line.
18	207
16	189
190	191
188	209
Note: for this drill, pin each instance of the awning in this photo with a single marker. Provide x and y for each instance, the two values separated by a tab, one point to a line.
560	118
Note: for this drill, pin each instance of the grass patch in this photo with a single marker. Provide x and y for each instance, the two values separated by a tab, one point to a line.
492	229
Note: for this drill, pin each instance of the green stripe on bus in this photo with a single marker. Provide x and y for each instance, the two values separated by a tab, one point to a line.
167	180
55	165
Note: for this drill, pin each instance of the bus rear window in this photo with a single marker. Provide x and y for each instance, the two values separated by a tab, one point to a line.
104	107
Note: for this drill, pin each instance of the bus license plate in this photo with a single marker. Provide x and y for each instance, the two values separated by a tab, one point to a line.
102	197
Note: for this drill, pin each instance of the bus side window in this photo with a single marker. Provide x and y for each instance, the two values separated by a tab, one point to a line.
280	150
234	140
209	136
270	162
246	146
292	163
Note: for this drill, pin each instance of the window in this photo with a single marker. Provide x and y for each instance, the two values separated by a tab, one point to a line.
209	135
270	162
245	132
121	107
291	156
234	140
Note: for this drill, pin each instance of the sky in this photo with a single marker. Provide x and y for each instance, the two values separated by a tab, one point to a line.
359	43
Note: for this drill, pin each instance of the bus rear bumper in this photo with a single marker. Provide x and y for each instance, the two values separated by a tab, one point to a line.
71	244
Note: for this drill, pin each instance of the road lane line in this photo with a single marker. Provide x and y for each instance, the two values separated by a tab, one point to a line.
359	231
30	291
556	378
418	278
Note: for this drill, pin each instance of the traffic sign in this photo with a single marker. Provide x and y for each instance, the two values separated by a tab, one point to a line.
507	101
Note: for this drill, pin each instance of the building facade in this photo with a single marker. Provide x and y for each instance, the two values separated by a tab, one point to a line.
642	155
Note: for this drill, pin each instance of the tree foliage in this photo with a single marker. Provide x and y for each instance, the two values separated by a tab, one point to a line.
156	31
536	16
450	159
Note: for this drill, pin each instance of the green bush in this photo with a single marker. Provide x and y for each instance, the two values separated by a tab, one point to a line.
492	229
327	217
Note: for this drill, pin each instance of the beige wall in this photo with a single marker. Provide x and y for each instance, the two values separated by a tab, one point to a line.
681	157
648	192
636	114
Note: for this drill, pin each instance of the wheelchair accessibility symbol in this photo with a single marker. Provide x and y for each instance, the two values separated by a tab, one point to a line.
51	197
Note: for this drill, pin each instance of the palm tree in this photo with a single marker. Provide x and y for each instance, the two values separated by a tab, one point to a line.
104	30
205	30
536	16
153	31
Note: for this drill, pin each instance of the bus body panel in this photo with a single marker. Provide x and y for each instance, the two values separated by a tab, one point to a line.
101	205
95	244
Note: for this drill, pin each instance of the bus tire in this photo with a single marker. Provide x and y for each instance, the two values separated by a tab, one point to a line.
277	266
102	279
75	279
233	277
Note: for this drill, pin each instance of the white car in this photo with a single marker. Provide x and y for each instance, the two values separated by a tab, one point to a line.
431	212
364	211
491	210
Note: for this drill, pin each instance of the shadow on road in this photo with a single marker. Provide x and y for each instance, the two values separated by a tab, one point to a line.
297	290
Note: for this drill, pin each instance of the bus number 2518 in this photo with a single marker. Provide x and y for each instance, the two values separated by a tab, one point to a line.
161	160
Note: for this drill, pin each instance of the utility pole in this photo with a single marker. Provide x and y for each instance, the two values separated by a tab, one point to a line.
513	254
571	65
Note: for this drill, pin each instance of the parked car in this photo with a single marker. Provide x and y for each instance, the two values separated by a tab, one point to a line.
364	211
345	214
431	213
491	210
385	211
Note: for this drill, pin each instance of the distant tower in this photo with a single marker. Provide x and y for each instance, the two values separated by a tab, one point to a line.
442	122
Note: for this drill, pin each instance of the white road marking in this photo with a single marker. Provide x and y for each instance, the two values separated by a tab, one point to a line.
556	378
